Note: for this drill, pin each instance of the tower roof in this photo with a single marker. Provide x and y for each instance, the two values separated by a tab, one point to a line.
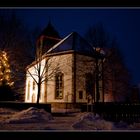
50	31
49	36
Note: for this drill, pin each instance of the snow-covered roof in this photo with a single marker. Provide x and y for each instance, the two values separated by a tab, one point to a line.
72	42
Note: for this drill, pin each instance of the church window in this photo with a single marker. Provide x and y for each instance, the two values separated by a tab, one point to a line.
33	98
41	93
89	83
80	94
28	92
59	86
33	85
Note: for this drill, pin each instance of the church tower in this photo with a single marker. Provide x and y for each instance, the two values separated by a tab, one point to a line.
49	37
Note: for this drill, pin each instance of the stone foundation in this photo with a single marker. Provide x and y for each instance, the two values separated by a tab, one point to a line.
66	105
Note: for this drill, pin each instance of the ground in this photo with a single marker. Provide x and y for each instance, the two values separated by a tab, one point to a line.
38	119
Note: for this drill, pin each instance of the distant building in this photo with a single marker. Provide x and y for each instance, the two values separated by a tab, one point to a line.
75	79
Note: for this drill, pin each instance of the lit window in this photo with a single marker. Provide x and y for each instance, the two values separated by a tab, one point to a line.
41	93
33	98
59	86
28	92
33	85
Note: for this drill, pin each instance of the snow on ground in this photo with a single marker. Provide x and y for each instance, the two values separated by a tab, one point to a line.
38	119
89	121
5	113
30	115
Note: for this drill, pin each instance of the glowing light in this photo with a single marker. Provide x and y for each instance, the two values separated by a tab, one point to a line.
5	72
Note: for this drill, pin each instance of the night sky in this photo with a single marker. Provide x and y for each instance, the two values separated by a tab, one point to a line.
122	23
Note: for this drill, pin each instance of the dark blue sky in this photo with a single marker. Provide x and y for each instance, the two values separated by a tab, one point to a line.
123	23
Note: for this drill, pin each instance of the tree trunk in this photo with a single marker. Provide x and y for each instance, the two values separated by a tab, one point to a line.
38	93
97	82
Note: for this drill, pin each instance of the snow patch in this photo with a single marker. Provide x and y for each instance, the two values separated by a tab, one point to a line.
90	121
8	111
134	126
35	119
121	125
30	115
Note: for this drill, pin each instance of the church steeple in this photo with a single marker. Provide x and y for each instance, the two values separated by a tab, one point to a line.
50	31
49	36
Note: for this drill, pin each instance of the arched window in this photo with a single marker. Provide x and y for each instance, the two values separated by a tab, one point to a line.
28	92
33	85
33	98
59	86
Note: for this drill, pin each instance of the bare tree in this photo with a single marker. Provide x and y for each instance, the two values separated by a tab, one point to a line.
43	68
117	76
97	36
15	41
114	73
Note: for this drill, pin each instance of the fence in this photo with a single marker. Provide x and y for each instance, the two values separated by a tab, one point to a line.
129	112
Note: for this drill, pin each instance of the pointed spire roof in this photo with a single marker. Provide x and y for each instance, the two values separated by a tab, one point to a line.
72	42
50	31
49	36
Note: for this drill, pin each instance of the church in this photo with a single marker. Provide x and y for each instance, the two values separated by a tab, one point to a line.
69	66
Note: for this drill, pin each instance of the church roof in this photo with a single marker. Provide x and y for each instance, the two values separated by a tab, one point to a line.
72	42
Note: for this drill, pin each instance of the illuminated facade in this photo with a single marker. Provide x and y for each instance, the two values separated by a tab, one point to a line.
74	79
